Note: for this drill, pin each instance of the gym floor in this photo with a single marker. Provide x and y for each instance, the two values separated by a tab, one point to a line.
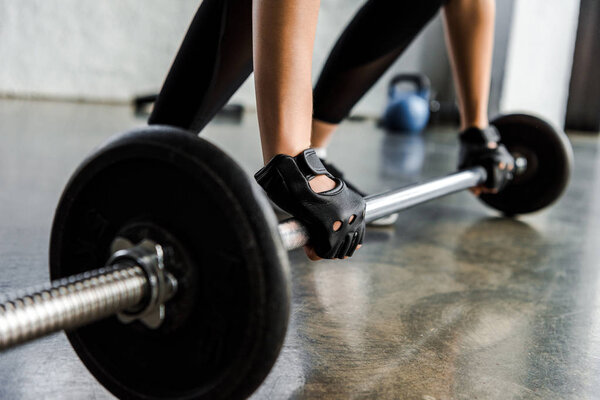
452	302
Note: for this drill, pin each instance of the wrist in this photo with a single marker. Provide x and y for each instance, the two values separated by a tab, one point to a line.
488	137
288	149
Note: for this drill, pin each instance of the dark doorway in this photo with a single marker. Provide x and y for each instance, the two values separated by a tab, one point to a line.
583	108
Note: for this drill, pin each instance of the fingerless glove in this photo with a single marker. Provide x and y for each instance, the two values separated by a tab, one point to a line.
286	181
482	147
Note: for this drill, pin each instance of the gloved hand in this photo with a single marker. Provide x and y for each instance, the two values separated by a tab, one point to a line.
286	181
482	147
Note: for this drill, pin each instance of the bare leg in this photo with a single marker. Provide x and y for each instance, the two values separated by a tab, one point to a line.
283	36
283	40
470	40
321	133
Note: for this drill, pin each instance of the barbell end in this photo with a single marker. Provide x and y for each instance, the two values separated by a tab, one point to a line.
135	285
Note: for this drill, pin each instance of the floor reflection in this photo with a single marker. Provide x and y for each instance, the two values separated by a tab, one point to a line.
402	155
452	302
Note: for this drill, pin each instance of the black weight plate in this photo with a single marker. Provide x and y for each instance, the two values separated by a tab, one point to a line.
226	324
549	162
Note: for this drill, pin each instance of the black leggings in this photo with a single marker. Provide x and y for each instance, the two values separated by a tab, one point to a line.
215	58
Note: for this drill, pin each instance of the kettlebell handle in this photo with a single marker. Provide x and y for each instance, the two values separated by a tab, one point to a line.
421	82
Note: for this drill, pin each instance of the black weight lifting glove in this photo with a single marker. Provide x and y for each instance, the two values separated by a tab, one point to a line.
482	147
286	181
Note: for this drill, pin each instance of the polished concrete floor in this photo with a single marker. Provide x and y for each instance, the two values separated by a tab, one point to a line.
453	302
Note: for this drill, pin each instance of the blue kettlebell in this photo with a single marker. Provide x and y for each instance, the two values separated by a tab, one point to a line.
407	110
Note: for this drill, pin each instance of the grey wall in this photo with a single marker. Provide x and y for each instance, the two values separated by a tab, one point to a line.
84	49
540	57
112	50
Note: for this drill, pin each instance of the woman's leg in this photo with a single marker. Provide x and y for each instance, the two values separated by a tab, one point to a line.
214	59
377	35
470	40
284	34
283	39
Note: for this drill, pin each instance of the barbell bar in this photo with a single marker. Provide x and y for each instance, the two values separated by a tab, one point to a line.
198	275
294	235
77	300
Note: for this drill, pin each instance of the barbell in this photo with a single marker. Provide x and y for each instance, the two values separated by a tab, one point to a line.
193	299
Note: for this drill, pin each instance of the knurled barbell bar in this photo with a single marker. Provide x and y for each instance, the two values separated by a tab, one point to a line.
197	274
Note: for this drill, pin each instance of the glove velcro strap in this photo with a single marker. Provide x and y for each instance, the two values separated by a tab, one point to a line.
286	180
310	164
